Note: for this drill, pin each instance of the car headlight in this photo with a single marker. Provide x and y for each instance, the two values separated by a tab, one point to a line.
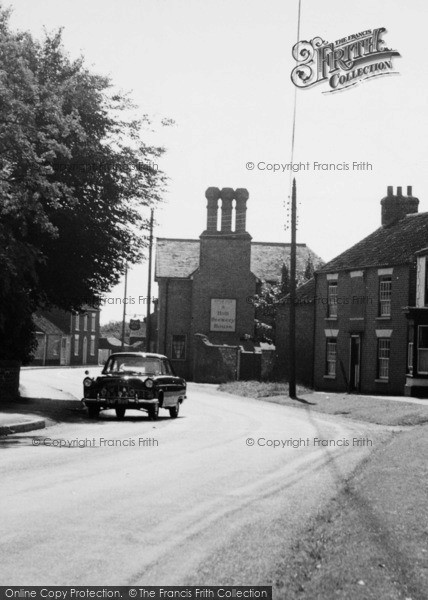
149	383
87	381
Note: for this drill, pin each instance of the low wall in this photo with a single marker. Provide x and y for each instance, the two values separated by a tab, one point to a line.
214	363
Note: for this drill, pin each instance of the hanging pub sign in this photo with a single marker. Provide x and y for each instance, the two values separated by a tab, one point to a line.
134	324
223	314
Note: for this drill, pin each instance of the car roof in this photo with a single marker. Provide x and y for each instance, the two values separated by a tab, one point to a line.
141	354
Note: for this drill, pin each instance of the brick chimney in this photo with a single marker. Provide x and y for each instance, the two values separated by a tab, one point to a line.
230	200
396	207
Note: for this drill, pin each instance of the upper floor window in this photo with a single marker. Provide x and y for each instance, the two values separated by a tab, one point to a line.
85	322
77	322
426	283
332	299
385	284
93	321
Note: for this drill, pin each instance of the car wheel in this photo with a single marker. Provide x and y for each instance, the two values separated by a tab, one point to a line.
154	412
174	410
93	411
120	412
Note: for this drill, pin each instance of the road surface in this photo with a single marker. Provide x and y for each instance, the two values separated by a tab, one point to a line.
205	499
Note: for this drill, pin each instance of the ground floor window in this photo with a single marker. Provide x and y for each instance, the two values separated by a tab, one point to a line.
383	351
331	357
423	349
76	345
92	346
178	347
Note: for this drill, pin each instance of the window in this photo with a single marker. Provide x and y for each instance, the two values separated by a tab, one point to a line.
385	297
93	321
178	347
410	357
332	299
92	346
331	355
426	282
85	322
76	345
423	349
383	349
77	322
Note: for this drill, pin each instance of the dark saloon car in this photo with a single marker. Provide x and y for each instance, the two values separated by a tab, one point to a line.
136	380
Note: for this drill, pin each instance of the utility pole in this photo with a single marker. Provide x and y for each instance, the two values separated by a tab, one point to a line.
149	284
292	332
124	308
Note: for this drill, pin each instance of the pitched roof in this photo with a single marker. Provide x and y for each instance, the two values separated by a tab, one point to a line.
45	326
385	247
179	258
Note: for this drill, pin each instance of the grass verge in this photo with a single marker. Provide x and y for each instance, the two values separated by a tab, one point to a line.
372	541
352	406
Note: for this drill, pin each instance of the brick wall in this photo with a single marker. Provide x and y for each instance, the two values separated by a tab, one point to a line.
304	342
362	318
214	363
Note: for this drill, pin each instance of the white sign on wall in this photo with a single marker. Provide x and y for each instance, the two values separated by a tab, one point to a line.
223	314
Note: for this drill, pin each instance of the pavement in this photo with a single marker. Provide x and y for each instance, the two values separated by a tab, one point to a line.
18	423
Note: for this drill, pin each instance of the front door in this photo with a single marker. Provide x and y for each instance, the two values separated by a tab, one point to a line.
354	375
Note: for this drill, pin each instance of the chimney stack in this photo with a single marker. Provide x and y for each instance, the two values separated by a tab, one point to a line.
227	196
396	207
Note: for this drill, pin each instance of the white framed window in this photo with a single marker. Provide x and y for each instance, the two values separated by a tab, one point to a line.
92	346
332	299
423	349
331	357
385	285
77	322
178	347
383	352
76	345
85	322
93	321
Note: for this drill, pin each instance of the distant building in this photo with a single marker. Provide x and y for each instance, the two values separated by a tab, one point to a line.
66	338
207	285
370	309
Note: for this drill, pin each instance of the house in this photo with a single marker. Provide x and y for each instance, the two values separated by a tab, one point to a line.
207	285
67	338
369	323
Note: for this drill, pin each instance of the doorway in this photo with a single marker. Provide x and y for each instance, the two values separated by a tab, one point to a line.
355	361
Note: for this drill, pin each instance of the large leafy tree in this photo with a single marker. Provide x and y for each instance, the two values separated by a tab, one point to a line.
75	176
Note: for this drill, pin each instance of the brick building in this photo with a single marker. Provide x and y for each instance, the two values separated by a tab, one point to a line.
206	285
66	338
369	326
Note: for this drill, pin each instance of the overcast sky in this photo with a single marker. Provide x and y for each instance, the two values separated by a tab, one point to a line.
221	70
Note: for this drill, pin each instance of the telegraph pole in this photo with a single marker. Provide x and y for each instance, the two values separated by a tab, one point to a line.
292	332
149	284
124	308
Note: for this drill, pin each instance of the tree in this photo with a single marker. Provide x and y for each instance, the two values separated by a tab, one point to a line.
75	177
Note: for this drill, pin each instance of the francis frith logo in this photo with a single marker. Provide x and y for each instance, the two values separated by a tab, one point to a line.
342	63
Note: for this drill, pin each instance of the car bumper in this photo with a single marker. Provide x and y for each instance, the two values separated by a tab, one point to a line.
122	402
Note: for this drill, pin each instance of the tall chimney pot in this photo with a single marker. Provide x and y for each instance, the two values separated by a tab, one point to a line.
399	191
409	190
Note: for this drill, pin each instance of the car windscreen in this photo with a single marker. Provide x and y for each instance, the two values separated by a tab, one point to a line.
135	364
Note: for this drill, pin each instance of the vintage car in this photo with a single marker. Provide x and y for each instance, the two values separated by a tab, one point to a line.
137	380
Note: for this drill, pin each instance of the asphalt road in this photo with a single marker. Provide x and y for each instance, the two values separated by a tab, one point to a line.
177	501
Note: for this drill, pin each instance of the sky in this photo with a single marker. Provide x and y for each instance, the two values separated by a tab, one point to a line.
221	69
